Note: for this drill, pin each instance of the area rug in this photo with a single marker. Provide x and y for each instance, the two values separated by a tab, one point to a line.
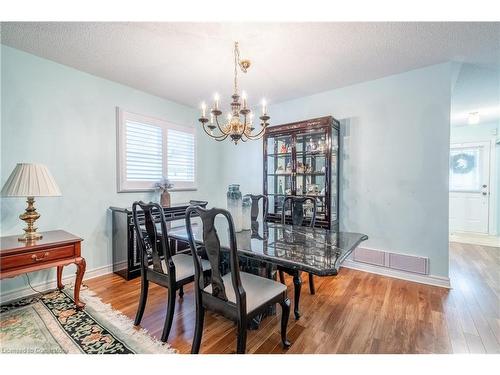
49	323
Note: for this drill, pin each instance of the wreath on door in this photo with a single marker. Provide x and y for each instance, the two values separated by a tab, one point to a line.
462	163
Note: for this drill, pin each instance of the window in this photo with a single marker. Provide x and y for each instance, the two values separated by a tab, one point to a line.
465	169
149	149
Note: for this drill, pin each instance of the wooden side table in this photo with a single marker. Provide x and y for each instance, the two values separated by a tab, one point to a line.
55	249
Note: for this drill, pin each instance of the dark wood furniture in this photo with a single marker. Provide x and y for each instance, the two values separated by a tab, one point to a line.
302	158
315	250
168	269
126	258
239	296
297	213
55	249
254	212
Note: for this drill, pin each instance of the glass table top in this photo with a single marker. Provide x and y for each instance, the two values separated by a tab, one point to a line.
315	250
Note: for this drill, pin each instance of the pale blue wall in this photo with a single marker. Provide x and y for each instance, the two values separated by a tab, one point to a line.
396	133
64	118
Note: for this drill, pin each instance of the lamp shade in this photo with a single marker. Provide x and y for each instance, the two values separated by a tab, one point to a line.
30	180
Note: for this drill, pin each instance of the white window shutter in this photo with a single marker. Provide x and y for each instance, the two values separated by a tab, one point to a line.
181	156
144	154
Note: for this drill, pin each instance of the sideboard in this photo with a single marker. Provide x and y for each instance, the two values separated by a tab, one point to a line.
126	259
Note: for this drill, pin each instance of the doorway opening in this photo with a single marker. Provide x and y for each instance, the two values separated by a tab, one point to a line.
474	185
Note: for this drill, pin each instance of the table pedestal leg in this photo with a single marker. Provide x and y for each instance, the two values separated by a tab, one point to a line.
60	285
80	265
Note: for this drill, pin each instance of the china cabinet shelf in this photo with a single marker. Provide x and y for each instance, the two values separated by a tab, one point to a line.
313	145
284	154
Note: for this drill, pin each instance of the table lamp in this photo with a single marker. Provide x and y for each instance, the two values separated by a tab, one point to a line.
30	180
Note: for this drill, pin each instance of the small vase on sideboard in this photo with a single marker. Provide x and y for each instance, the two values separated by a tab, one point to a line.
163	186
165	199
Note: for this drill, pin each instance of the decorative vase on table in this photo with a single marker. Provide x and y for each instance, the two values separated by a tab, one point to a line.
234	205
246	208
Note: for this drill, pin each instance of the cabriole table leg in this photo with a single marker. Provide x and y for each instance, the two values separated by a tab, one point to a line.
80	265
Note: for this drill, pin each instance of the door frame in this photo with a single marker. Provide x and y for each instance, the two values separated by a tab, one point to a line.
493	178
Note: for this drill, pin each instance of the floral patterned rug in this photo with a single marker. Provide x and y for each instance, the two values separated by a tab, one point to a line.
49	323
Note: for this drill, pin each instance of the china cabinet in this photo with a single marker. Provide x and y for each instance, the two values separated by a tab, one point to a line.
302	159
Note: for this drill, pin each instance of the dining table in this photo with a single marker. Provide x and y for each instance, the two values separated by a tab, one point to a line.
318	251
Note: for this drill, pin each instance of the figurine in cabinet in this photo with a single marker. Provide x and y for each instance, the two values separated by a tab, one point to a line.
284	148
312	189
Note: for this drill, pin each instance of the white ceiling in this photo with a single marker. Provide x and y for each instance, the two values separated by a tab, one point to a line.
477	89
188	62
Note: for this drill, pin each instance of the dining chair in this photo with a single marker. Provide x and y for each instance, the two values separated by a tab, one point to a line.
158	263
254	211
237	295
297	218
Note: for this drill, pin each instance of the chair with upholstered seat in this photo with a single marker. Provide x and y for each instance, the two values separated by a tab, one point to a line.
158	264
237	295
297	218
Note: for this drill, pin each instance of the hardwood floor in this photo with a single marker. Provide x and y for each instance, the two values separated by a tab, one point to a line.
355	312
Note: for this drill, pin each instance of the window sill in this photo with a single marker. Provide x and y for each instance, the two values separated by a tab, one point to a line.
149	190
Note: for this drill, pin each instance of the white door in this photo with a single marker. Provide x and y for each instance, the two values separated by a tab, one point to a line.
469	187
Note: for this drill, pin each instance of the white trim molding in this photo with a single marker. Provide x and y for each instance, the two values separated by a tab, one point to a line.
440	281
52	284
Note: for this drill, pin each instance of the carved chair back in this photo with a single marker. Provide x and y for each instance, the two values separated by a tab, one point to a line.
297	209
153	244
254	213
211	244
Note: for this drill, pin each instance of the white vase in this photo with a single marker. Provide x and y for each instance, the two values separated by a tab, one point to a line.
234	205
246	222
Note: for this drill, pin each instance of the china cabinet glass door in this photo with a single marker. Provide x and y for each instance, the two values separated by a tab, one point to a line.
280	166
311	169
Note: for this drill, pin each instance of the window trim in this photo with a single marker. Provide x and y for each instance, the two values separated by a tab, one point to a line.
124	186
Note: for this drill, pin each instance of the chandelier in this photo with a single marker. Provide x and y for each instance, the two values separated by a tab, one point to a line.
239	121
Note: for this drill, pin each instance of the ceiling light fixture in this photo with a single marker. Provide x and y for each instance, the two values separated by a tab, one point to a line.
236	127
474	118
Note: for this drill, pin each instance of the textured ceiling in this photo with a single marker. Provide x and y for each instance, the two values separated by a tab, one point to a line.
476	89
188	62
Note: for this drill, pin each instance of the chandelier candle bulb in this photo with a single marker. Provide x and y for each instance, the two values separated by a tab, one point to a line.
264	109
216	99
244	97
203	109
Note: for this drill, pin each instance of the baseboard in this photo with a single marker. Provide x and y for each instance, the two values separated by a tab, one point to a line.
440	281
475	239
48	285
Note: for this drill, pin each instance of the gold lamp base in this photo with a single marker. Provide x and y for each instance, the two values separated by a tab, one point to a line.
29	217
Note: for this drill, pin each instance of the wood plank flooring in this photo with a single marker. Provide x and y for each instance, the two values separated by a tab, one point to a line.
355	312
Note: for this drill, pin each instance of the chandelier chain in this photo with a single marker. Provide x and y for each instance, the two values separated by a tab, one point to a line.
236	60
